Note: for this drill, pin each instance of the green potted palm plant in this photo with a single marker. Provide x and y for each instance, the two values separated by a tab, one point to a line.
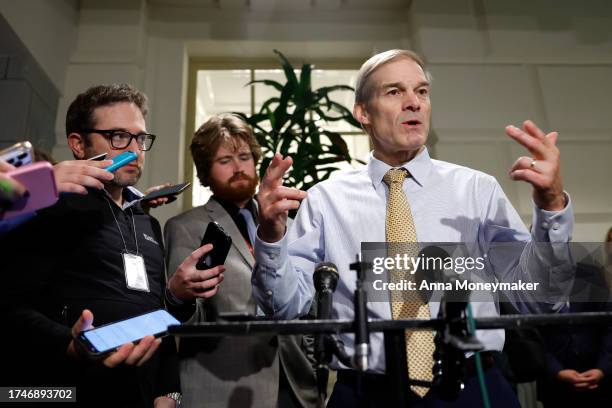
293	123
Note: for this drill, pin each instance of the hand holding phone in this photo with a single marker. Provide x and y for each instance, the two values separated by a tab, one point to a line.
160	195
188	283
100	341
170	191
221	242
74	176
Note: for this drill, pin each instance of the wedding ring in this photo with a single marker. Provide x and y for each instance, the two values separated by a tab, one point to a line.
532	164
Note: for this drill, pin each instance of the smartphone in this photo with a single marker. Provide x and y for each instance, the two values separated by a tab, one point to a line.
121	160
167	191
107	338
19	154
98	157
39	180
221	245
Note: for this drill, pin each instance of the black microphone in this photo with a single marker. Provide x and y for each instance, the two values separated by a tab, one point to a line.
430	270
325	280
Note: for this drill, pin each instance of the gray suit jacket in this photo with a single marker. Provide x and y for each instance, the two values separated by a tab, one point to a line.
232	371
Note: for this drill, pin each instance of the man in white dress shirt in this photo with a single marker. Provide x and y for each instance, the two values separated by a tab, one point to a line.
449	203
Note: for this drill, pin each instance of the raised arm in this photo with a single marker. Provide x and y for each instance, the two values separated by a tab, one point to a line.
275	200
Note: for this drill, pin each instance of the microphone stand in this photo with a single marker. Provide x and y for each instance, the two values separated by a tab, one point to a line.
328	345
453	339
362	333
325	279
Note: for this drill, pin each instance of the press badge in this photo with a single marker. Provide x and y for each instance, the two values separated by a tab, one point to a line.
135	272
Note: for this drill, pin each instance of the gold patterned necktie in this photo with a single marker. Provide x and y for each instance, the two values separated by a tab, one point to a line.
400	229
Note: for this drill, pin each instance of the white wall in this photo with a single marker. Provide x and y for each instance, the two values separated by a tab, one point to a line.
494	62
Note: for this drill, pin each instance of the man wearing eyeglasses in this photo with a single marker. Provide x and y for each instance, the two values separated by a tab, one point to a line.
120	141
118	127
96	254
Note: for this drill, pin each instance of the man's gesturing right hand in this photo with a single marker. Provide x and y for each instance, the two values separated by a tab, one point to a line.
275	200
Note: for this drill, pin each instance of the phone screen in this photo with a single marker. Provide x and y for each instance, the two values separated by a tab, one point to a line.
111	336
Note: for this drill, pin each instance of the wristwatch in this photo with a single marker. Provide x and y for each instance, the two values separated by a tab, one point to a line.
176	396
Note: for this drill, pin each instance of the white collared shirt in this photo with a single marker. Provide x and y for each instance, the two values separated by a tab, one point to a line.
449	203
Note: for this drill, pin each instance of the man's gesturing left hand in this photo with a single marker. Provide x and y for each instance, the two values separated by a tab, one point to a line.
543	169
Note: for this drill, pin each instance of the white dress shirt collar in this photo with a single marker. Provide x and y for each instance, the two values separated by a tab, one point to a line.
419	168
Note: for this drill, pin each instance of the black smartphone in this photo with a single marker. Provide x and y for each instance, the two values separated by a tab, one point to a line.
107	338
221	245
167	191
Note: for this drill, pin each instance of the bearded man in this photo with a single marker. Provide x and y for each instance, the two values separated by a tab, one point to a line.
258	371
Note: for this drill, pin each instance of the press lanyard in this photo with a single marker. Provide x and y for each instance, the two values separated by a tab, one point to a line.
136	277
119	228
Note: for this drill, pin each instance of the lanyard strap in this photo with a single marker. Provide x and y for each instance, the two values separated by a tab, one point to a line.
119	229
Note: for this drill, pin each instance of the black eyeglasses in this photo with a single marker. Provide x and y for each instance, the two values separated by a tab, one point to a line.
120	139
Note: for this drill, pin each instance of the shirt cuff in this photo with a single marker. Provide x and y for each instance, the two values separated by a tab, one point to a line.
270	255
553	365
270	258
171	299
553	226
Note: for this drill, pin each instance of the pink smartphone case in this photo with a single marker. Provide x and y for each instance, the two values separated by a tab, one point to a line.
38	179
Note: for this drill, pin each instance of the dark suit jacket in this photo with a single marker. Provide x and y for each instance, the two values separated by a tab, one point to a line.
580	347
232	371
583	347
64	260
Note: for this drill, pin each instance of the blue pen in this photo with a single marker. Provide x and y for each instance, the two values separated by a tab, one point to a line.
122	160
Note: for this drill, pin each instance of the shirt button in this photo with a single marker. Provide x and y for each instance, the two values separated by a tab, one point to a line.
269	293
272	255
556	226
545	225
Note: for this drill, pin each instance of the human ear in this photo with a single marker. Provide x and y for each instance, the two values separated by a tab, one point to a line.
361	114
76	142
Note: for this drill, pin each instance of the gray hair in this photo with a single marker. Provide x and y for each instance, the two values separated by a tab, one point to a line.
363	88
